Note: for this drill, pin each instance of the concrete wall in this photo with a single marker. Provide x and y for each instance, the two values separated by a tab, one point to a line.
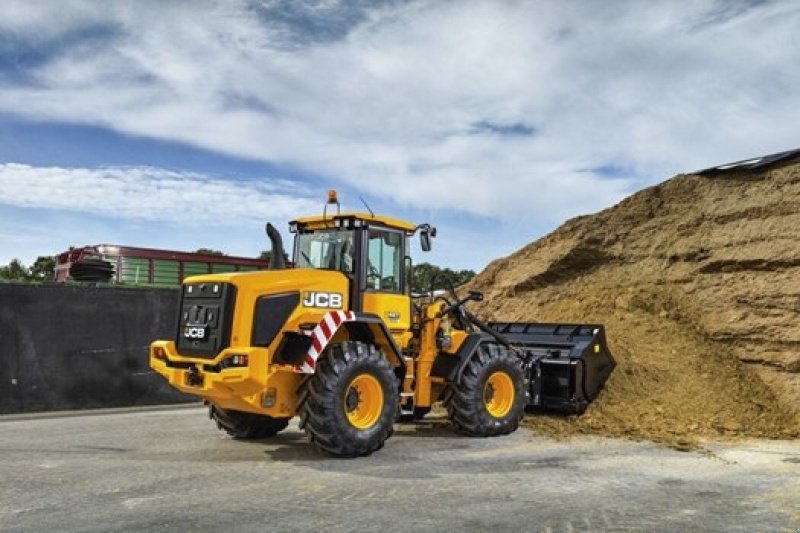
80	347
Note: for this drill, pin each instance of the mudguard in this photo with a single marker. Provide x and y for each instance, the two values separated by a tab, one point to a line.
304	349
450	367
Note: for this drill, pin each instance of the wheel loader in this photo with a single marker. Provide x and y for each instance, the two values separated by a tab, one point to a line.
337	339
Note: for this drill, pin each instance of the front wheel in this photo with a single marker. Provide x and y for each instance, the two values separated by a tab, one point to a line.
347	407
490	399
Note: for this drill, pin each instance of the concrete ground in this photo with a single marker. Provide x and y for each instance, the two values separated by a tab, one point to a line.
170	469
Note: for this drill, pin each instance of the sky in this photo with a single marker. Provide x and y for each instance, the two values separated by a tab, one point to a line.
182	125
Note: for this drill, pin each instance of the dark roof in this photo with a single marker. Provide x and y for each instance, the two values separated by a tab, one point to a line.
752	163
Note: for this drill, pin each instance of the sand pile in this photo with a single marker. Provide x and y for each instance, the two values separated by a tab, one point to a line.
698	283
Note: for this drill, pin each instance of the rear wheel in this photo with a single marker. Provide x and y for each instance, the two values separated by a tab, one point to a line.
241	425
490	399
347	407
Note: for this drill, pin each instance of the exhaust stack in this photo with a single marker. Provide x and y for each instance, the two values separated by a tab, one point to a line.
276	261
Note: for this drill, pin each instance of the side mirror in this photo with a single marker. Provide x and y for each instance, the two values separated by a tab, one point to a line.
425	240
476	296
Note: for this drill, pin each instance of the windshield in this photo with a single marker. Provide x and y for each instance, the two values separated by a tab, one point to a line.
329	249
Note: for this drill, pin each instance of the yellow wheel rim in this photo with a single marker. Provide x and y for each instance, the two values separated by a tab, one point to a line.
363	401
498	394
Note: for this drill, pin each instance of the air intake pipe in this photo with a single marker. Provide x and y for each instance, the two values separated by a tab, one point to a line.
276	261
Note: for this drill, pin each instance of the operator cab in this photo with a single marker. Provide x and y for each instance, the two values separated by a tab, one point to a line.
371	250
338	249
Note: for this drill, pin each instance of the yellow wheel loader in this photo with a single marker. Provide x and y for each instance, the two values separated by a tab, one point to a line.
337	339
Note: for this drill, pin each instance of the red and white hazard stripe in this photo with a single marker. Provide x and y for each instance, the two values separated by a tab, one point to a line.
321	336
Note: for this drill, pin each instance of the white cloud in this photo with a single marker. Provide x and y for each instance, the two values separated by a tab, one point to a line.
29	19
152	194
391	107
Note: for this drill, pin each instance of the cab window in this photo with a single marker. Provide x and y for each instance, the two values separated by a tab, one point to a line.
328	249
384	260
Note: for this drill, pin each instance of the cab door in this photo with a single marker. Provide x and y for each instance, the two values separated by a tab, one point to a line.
385	293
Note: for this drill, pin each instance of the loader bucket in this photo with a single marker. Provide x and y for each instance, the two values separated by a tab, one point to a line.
567	365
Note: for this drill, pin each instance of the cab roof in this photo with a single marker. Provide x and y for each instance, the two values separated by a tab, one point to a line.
319	222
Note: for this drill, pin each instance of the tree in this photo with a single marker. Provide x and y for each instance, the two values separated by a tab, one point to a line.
43	269
266	255
208	251
425	272
15	271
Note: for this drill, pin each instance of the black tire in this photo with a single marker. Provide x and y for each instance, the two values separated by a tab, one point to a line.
331	399
91	270
241	425
470	402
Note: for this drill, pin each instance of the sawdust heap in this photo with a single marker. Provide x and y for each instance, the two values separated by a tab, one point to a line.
698	283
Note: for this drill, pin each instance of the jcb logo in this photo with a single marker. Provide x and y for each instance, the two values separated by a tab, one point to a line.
194	333
332	300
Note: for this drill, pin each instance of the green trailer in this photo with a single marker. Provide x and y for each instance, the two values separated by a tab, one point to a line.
145	266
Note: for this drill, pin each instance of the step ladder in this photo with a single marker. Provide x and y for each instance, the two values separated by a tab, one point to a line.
407	398
406	403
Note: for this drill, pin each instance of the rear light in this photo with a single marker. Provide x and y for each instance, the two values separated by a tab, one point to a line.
235	361
159	353
269	398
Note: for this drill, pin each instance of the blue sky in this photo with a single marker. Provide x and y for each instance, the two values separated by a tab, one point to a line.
189	124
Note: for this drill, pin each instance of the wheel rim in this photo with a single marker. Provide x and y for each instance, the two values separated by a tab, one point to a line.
363	401
498	394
